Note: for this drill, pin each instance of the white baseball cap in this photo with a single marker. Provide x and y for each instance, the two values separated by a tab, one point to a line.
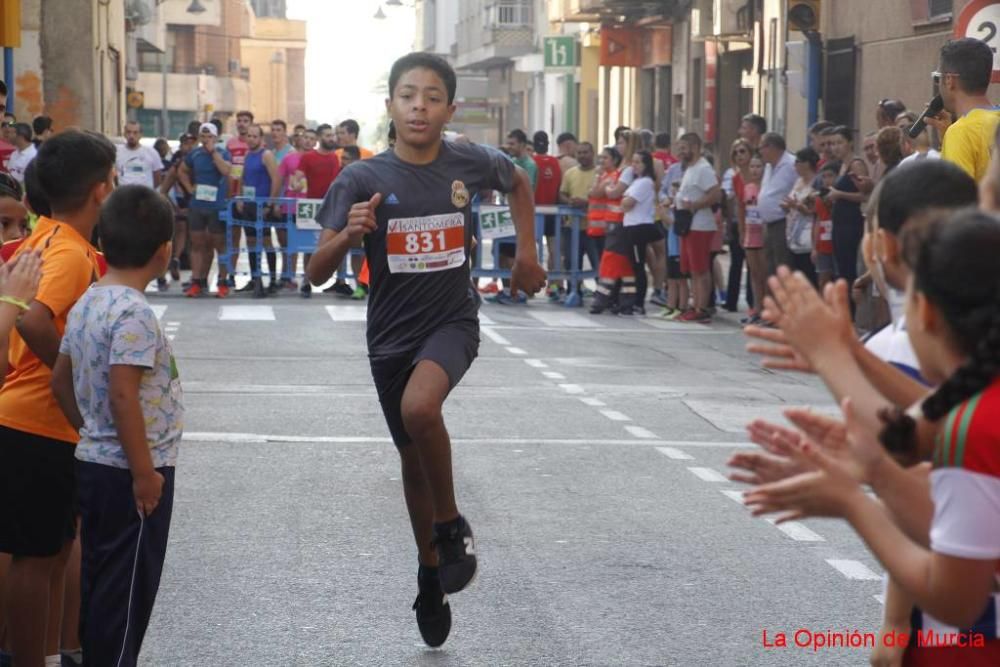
210	128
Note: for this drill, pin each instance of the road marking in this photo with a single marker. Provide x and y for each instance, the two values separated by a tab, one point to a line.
555	318
668	325
494	336
708	475
572	388
516	350
171	336
485	319
797	531
214	436
552	375
536	363
733	494
246	313
592	402
170	324
853	569
616	416
159	310
676	454
348	313
640	432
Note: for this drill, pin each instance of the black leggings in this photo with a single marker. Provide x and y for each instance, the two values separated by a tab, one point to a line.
846	243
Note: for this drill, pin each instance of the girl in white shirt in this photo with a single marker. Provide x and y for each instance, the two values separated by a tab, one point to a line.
639	204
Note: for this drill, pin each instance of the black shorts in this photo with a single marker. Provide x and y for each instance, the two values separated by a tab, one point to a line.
507	248
550	225
674	269
453	347
37	494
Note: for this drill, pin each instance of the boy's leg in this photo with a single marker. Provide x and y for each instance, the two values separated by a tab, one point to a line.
57	591
122	562
421	410
70	640
28	607
419	504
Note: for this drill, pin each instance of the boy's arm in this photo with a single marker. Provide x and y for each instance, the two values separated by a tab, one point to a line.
527	274
38	329
147	484
901	389
62	388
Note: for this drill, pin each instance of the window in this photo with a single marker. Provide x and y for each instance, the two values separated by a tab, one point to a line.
511	13
841	70
939	8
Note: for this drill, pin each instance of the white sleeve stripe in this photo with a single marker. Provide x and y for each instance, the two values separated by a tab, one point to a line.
966	514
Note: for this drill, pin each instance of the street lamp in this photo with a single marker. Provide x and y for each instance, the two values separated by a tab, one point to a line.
196	7
380	15
391	3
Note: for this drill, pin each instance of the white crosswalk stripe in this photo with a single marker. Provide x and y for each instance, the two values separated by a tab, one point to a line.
570	320
246	313
357	313
159	310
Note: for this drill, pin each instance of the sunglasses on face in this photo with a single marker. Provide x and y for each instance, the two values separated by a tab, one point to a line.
938	77
741	151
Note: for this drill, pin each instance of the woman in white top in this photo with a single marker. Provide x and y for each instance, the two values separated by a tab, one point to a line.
801	209
639	204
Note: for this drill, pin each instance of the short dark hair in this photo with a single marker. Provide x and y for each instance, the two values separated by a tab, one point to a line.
279	123
10	188
585	143
217	123
620	130
972	60
71	164
245	114
564	137
819	126
921	185
300	126
540	141
518	135
691	138
351	127
808	155
135	222
891	108
23	130
831	166
842	130
41	124
757	121
353	151
418	60
38	201
662	140
193	128
323	128
775	140
616	156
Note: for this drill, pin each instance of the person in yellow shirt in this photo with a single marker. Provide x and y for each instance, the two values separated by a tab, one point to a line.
575	191
963	80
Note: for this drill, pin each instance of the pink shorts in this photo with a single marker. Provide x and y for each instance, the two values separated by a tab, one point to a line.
754	237
696	252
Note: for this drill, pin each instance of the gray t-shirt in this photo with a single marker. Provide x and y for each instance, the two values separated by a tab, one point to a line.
418	255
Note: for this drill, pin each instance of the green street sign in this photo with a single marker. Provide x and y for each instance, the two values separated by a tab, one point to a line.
560	52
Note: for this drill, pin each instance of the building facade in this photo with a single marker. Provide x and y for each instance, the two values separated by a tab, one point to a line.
78	81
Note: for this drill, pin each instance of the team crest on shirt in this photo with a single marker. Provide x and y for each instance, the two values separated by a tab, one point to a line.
459	194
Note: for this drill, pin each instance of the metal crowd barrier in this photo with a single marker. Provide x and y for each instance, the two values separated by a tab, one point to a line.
493	223
295	221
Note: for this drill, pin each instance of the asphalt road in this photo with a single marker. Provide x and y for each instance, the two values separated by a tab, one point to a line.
589	457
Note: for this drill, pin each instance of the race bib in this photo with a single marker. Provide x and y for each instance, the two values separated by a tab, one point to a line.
425	245
826	230
206	192
753	216
249	191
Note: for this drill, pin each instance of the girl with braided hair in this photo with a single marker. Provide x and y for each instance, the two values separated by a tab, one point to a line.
953	311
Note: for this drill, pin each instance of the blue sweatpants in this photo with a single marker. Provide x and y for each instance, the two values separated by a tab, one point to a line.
122	561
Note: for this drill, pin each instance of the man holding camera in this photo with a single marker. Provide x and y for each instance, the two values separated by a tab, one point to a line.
963	80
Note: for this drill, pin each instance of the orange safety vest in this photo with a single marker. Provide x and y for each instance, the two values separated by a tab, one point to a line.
615	212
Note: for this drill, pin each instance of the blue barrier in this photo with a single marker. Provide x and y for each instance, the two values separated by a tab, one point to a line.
493	223
294	220
298	232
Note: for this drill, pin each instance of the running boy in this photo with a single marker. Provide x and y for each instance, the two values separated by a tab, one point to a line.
116	381
37	524
411	205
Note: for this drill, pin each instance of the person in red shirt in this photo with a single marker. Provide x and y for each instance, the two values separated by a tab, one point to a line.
662	153
547	194
318	169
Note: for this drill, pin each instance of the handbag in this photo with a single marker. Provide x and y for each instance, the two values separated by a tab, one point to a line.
683	219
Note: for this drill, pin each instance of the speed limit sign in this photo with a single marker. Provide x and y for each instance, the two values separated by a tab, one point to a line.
981	20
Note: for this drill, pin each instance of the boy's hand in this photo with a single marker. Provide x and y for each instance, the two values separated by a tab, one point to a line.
19	279
147	489
528	276
361	218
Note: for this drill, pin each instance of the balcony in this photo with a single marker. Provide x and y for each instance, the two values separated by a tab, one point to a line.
494	34
192	92
624	11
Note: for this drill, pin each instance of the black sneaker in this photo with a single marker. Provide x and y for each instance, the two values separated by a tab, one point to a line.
342	290
258	289
433	611
306	291
456	550
175	270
